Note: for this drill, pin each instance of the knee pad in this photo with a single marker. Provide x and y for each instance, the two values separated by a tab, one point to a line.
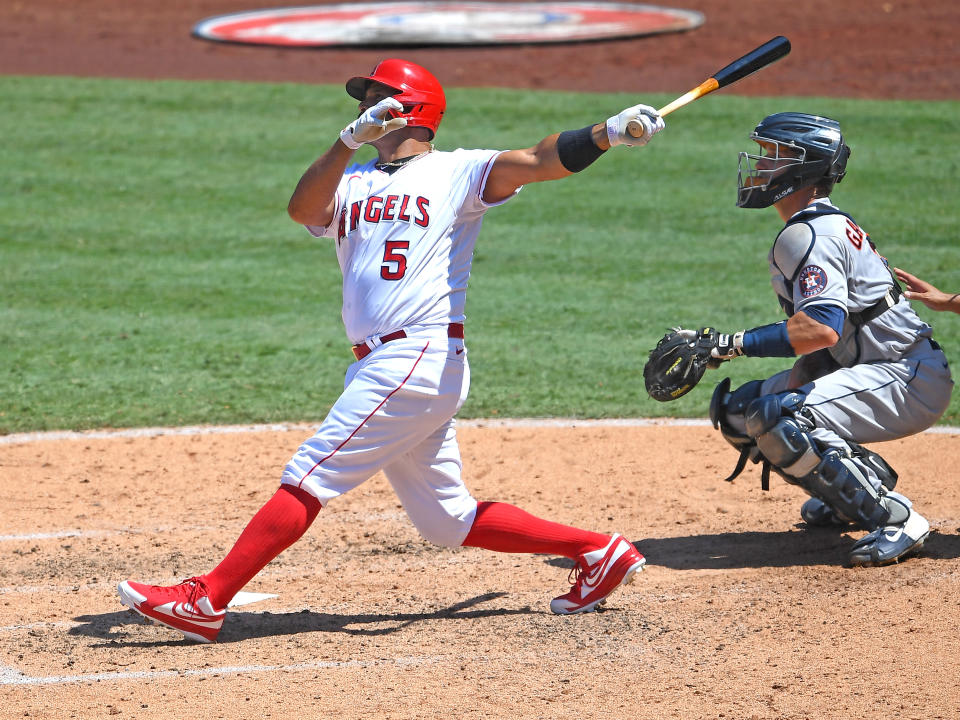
727	411
781	430
782	434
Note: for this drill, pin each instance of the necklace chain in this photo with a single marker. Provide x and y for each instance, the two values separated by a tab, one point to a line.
394	165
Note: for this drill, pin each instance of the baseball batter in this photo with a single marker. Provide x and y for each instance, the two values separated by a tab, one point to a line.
404	226
869	369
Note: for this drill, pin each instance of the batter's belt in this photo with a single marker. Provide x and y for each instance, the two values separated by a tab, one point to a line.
454	330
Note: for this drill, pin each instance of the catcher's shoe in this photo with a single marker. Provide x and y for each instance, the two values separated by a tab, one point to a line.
817	513
184	607
597	574
891	543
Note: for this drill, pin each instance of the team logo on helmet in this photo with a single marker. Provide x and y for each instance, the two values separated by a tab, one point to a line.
813	280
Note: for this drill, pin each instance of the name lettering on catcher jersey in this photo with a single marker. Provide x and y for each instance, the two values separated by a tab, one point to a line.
857	235
854	235
390	208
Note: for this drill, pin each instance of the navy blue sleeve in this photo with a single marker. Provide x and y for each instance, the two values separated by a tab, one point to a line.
826	314
768	341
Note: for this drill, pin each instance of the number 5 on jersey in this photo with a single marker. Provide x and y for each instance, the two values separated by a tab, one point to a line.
394	261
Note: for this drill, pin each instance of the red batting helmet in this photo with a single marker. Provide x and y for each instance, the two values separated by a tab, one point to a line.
417	89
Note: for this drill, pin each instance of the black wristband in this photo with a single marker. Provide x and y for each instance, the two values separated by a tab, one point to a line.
576	149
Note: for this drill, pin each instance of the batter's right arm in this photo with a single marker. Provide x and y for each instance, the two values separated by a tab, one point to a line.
314	200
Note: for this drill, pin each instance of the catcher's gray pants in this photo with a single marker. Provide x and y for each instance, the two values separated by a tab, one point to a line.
873	402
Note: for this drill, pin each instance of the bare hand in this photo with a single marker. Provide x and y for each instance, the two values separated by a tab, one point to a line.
926	293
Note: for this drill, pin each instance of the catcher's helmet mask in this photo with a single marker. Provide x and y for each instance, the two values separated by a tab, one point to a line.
802	150
416	88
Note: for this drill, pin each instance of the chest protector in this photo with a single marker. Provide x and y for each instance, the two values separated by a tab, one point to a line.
785	293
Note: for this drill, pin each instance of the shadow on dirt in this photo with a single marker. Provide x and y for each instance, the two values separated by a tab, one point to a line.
820	546
792	548
246	625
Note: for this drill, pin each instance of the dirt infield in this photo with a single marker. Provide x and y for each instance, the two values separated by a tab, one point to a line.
741	613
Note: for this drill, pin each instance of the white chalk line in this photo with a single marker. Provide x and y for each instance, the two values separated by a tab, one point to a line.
22	438
59	535
53	625
12	676
60	589
62	534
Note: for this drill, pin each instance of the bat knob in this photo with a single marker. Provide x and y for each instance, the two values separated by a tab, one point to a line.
635	128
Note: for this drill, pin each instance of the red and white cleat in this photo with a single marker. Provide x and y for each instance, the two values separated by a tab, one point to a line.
184	607
597	574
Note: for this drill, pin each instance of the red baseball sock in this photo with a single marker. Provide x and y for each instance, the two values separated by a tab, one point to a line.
275	527
506	528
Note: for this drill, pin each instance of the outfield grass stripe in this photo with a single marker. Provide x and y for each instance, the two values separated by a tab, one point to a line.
151	275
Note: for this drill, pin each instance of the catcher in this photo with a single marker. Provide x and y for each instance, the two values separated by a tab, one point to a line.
867	370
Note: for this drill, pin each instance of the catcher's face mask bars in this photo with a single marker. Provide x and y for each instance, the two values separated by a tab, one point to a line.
756	172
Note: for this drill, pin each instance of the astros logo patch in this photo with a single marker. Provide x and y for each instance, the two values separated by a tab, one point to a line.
813	280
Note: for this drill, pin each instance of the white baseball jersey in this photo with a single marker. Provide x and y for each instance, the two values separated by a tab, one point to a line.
405	245
405	240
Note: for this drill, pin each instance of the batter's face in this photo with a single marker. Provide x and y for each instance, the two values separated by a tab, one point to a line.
375	93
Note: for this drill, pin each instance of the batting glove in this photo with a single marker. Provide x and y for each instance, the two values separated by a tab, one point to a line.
373	124
641	119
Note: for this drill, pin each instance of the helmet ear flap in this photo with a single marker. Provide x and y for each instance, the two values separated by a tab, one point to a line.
839	167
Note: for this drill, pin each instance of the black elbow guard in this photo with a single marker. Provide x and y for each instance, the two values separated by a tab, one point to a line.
576	149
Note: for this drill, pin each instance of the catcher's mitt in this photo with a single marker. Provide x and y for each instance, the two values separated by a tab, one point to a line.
677	363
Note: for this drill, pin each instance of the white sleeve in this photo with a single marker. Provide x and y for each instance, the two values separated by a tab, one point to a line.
353	172
329	231
480	167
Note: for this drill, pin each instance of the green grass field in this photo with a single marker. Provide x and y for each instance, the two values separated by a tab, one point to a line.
150	275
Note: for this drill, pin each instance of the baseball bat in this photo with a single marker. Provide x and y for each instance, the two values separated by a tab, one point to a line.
756	59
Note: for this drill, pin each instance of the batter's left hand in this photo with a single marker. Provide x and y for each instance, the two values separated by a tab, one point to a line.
647	117
373	124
